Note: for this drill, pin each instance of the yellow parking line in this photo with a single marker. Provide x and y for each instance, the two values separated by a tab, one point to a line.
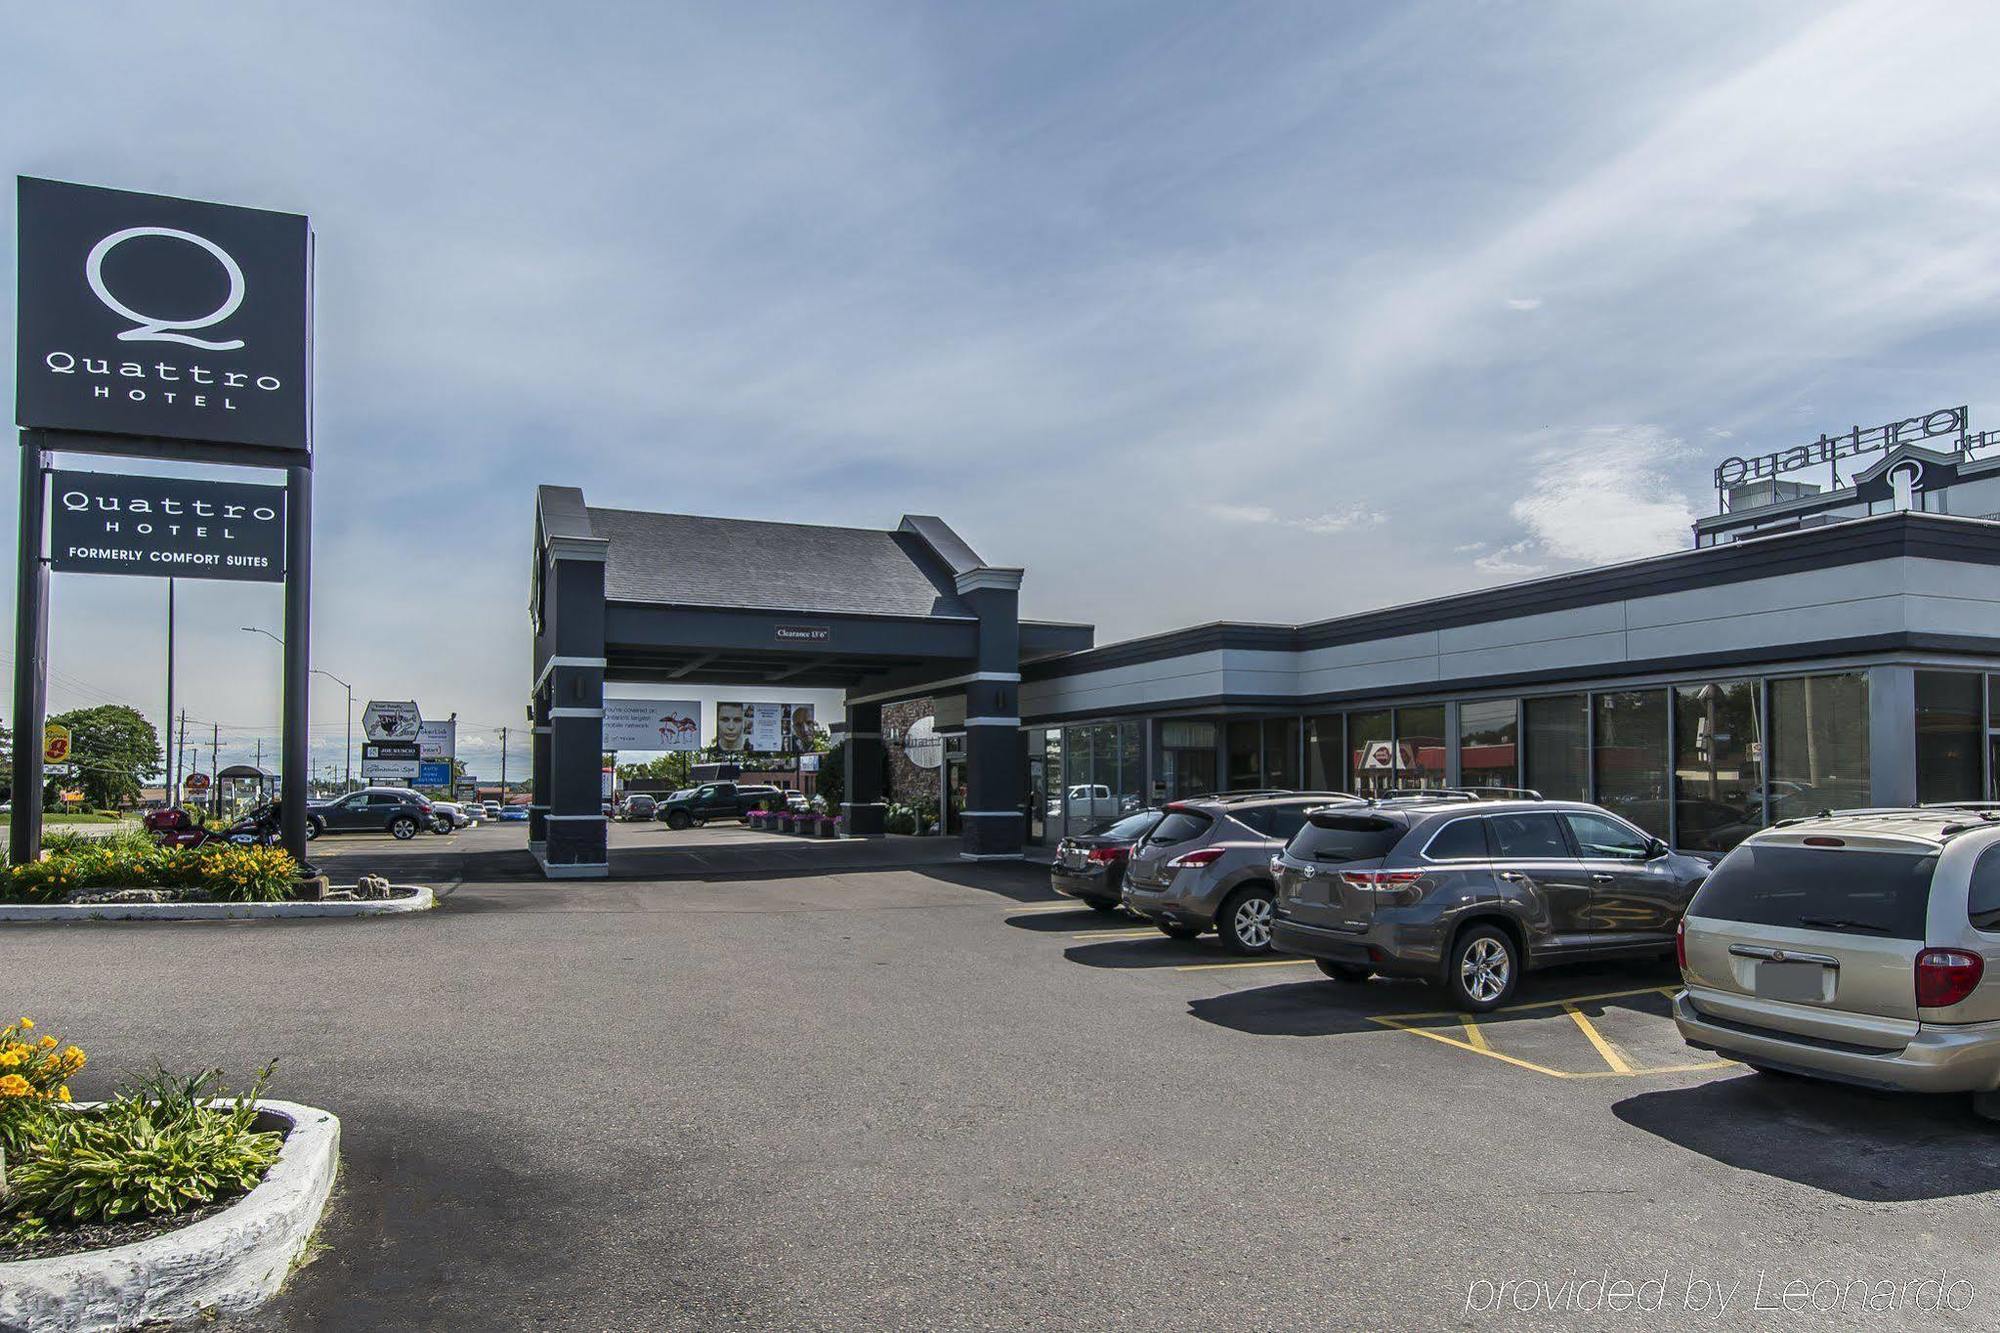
1143	933
1468	1046
1552	1004
1259	962
1604	1048
1066	905
1477	1038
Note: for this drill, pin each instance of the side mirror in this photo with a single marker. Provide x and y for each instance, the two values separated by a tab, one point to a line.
1656	849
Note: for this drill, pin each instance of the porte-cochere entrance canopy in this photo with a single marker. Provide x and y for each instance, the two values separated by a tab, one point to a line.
624	597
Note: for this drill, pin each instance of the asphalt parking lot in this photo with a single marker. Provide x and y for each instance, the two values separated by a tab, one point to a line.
764	1090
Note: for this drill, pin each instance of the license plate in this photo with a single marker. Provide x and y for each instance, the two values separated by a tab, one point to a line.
1791	981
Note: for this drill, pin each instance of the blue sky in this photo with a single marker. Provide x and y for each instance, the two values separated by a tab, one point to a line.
1263	312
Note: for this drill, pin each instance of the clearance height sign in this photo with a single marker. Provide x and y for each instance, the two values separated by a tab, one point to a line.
166	527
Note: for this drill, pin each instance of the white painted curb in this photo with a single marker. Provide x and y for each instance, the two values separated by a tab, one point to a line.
234	1260
423	901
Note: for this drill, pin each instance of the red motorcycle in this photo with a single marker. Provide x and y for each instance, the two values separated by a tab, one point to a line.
175	827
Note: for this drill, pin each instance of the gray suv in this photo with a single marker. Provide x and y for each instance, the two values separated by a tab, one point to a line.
1207	863
1471	892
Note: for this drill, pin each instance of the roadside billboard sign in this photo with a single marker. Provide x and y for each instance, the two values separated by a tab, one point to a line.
394	761
166	527
55	744
391	720
438	740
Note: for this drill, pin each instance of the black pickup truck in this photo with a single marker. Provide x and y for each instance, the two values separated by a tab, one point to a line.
716	800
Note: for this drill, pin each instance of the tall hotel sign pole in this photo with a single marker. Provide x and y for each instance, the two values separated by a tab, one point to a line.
178	331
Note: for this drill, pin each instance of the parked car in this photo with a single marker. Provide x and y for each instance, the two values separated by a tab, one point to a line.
395	810
513	814
716	800
1861	947
1471	892
639	805
1091	866
1207	864
449	815
492	809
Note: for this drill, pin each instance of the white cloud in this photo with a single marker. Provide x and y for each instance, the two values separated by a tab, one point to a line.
1356	516
1509	560
1603	497
1524	303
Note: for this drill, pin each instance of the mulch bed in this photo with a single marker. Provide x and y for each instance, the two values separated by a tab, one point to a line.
103	1235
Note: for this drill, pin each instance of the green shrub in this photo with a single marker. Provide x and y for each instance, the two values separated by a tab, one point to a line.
237	874
158	1149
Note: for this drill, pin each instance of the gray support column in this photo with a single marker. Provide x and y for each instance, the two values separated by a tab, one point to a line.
31	659
538	770
994	825
1892	734
294	743
570	703
862	760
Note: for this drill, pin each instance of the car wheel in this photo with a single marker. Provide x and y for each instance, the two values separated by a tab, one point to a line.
1986	1105
1174	932
440	826
1482	970
679	819
1348	972
312	829
1244	923
404	828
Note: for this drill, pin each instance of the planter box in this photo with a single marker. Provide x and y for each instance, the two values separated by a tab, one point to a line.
231	1261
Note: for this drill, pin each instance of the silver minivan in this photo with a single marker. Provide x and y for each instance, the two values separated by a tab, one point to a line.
1861	946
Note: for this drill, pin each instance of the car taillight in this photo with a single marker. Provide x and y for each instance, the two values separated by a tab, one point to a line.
1681	944
1103	856
1207	856
1277	866
1380	879
1946	976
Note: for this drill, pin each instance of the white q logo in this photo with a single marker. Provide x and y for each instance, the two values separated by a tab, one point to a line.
161	330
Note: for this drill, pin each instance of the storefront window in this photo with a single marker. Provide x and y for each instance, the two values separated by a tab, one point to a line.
1487	753
1556	747
1718	765
1246	765
1187	758
1281	752
1630	759
1131	768
1948	727
1326	754
1819	744
1371	740
1420	747
1044	776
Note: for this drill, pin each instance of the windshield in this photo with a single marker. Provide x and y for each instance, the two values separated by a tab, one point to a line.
1131	827
1332	837
1179	826
1849	892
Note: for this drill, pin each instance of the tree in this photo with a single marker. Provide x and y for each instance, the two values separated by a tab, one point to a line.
674	766
832	780
113	752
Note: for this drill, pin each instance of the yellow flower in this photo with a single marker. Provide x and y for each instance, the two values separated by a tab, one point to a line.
27	1025
13	1085
63	1093
8	1059
73	1057
48	1043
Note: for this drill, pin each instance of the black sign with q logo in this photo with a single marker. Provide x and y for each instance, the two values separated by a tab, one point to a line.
170	318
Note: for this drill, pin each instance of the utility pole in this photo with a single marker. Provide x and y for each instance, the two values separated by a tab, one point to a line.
503	763
215	778
180	759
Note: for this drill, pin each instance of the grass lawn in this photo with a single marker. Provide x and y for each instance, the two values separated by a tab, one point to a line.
71	819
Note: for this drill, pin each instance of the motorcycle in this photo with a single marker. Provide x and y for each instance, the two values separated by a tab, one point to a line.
175	827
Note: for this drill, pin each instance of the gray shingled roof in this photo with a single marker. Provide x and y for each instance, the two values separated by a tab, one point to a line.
683	560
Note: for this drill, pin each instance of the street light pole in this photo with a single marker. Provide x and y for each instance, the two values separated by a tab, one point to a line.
349	780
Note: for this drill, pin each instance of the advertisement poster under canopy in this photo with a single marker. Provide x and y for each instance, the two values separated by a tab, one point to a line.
652	724
764	728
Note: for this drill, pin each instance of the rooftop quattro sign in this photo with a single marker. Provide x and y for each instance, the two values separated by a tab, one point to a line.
166	527
170	318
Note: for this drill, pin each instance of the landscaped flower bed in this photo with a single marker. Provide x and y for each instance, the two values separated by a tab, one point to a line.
156	1155
75	866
